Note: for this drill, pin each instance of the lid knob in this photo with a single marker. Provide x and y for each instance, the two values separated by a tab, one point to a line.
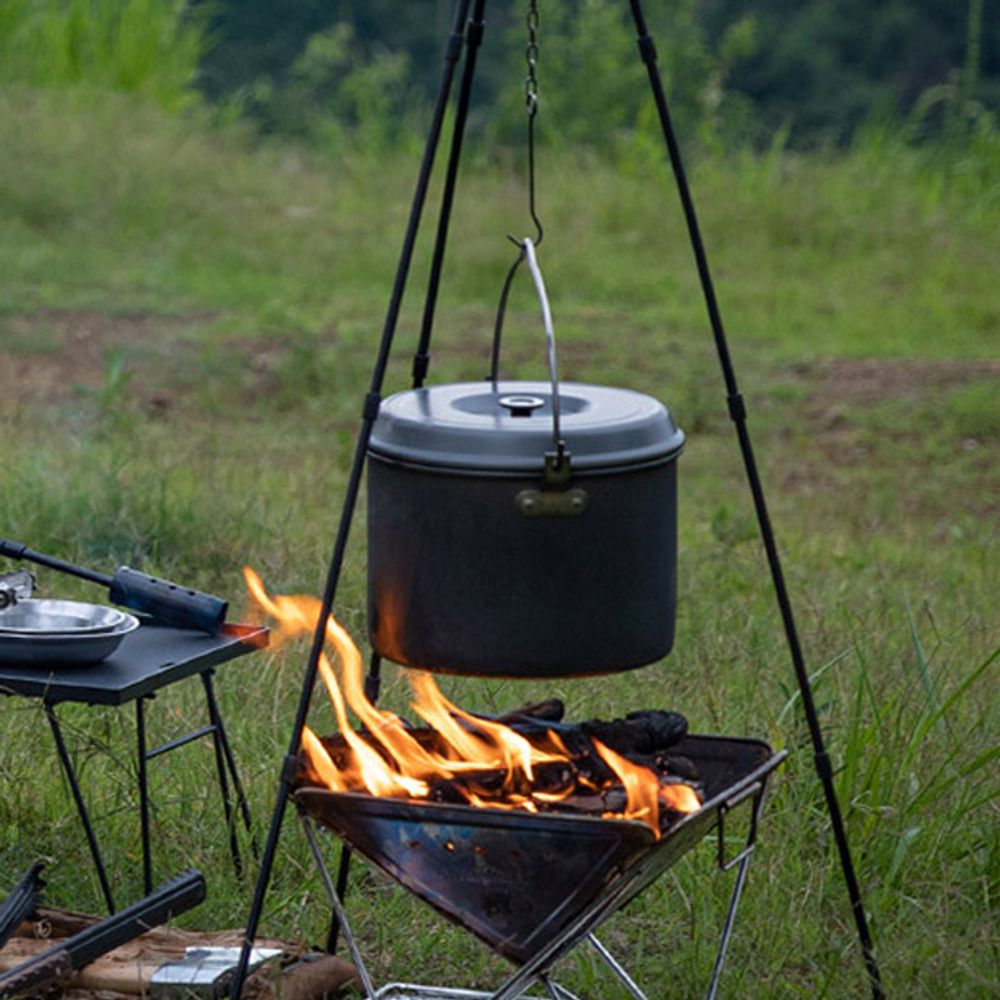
521	406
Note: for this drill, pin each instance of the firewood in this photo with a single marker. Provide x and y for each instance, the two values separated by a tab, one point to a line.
550	710
638	733
126	972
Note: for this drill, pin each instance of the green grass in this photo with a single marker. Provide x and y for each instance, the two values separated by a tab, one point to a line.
148	47
186	329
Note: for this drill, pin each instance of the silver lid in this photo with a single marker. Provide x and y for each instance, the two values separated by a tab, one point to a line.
507	426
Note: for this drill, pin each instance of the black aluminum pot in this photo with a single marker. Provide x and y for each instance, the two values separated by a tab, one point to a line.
522	529
465	577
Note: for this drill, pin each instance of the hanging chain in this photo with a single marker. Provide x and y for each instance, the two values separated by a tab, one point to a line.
531	57
531	105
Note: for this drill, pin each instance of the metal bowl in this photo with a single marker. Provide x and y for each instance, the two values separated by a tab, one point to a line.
47	617
63	649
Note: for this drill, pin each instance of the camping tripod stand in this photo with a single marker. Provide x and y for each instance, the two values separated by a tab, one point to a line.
467	34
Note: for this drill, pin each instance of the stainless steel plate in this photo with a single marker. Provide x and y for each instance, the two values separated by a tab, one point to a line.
48	617
61	649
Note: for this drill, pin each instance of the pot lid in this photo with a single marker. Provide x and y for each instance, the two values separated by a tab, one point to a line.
507	426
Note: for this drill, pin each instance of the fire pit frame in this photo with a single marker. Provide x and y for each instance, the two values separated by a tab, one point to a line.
618	890
467	35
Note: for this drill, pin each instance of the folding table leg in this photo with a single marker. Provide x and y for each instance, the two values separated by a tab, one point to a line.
223	761
140	736
81	807
241	797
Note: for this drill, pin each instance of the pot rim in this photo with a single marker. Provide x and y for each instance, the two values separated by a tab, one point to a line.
469	428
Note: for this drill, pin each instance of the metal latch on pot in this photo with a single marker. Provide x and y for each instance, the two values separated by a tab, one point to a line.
555	498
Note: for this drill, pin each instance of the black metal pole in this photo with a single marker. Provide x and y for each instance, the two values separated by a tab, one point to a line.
369	413
738	413
220	767
140	736
421	358
473	40
223	740
81	807
373	685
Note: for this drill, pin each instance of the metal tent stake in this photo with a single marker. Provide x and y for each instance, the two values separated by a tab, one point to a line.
468	32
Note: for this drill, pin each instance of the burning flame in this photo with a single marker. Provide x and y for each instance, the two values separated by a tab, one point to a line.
390	761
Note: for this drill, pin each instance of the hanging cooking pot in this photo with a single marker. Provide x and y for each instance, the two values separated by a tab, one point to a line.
522	529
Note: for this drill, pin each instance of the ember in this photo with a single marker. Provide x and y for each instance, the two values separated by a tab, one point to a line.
617	769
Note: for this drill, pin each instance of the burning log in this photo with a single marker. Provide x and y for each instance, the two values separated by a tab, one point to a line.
644	732
550	710
583	780
487	763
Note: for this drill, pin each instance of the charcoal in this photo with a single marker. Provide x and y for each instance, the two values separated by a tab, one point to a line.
677	766
586	783
550	710
639	732
612	800
445	790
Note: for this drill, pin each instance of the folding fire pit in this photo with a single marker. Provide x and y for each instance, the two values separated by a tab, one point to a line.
519	529
533	886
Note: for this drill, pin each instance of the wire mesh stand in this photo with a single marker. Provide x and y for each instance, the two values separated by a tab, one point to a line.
467	32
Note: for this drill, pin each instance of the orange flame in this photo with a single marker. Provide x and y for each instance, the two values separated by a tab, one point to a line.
388	760
642	786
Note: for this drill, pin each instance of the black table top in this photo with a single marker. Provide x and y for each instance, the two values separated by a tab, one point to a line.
148	659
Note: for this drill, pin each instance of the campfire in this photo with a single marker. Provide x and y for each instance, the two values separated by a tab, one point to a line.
529	760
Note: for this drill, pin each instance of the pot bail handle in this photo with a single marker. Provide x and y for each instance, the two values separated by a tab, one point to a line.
556	462
528	247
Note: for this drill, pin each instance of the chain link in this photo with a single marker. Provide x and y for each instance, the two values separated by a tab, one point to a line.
531	58
531	104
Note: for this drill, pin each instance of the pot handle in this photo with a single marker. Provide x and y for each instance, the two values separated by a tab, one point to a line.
556	462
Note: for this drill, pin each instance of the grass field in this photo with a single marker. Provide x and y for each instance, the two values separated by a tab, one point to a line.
186	329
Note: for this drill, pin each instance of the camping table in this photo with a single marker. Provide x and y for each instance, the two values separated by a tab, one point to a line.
148	659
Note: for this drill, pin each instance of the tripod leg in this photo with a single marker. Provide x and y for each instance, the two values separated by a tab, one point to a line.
474	38
369	413
372	684
737	411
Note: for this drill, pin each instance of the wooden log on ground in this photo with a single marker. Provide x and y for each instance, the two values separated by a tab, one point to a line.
126	972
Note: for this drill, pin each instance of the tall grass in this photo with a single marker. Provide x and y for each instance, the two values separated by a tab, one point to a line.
206	312
149	47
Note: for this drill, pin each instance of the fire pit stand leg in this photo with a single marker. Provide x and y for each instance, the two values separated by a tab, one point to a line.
338	907
557	992
616	967
727	927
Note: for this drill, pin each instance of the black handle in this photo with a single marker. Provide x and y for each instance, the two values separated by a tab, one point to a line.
173	897
21	902
17	550
171	603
